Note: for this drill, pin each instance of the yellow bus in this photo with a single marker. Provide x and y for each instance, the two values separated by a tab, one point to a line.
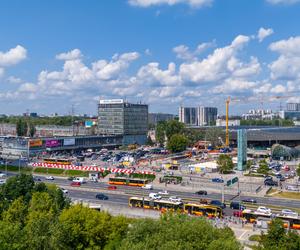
292	222
203	210
57	161
128	181
162	205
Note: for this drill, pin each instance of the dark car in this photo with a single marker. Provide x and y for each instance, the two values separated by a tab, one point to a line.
218	180
201	192
237	205
218	203
249	200
36	179
101	196
268	178
271	183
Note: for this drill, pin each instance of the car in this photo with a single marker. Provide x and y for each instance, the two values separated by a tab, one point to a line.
201	192
218	180
268	178
264	210
154	196
237	205
218	203
286	168
37	179
271	183
163	192
49	178
75	184
147	187
292	188
288	212
2	175
249	200
112	187
2	182
101	196
175	199
65	191
71	178
237	213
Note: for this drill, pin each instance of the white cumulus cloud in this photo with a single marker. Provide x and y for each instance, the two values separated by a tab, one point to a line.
263	33
191	3
283	1
71	55
13	56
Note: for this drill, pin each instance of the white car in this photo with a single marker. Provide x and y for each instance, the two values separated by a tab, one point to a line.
154	196
288	212
175	199
50	178
164	192
65	191
264	210
148	187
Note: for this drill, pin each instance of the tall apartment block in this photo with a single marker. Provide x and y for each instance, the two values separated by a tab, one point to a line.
198	116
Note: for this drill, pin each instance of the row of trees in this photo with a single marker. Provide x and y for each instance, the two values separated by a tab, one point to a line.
25	128
274	122
36	216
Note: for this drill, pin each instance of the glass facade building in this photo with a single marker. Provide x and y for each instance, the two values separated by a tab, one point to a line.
117	117
242	149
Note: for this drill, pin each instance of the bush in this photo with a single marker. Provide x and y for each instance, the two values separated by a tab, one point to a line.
255	237
143	176
77	173
16	168
49	171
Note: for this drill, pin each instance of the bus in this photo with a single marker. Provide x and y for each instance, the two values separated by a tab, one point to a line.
292	222
162	205
128	181
209	211
57	161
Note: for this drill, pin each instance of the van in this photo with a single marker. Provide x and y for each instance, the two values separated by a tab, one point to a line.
79	179
148	187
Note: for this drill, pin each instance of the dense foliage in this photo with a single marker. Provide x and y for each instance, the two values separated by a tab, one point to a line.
278	239
36	216
166	129
225	164
263	167
177	143
274	122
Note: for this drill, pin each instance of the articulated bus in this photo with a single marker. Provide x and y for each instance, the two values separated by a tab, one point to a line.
166	205
292	222
128	181
57	161
147	203
209	211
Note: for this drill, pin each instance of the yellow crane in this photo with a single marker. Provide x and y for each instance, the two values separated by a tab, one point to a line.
227	118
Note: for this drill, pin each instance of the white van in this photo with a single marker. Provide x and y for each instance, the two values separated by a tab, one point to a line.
154	196
79	179
148	187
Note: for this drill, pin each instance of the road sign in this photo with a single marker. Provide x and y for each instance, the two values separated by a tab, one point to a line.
228	183
232	181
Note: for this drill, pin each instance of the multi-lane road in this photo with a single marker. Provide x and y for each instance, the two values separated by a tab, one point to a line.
120	196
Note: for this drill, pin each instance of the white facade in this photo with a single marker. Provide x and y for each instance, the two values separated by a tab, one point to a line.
222	123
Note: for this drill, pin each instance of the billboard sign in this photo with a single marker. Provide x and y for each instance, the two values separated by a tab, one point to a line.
112	101
88	124
52	143
69	142
35	143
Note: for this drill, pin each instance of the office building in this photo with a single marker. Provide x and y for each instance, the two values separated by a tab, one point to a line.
154	118
188	115
198	116
207	116
293	106
291	115
118	117
242	149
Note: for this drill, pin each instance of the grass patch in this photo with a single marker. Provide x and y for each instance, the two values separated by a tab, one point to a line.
76	173
254	175
15	169
255	237
271	191
289	195
56	171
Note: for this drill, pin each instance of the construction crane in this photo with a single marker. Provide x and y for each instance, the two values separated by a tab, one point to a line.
227	118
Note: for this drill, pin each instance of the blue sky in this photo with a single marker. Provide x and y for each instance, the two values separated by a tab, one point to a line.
163	52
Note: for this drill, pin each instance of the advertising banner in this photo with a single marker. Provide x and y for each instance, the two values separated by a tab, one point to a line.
88	124
69	142
35	143
52	143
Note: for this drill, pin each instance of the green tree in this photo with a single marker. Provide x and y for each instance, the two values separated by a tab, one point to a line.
249	164
298	170
194	135
177	232
160	132
21	127
225	164
215	136
277	238
149	141
263	167
173	127
177	143
32	129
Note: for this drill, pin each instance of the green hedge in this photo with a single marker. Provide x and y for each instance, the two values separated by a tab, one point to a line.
76	173
143	176
15	168
255	237
49	171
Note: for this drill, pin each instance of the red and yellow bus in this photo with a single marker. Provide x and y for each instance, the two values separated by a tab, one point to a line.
209	211
57	161
162	205
128	181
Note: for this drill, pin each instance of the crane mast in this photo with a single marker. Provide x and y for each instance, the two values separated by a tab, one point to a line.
227	118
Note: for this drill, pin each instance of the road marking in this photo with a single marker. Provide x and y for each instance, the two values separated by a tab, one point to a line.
242	235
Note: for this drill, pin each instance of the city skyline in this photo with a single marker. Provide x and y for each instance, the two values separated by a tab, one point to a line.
55	54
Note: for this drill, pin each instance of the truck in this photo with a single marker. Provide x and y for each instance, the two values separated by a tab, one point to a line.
79	179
